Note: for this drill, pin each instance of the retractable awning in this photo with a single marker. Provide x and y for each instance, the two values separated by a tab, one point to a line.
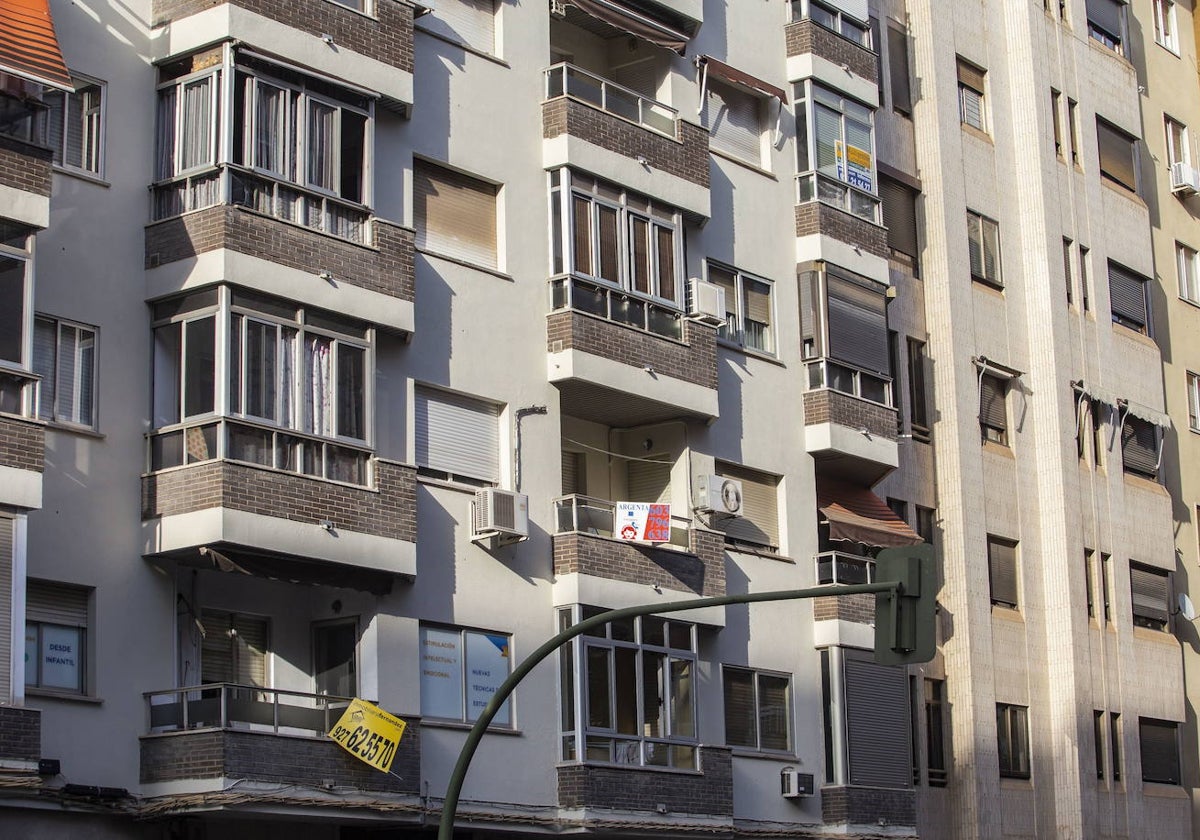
635	23
300	570
734	76
28	44
858	515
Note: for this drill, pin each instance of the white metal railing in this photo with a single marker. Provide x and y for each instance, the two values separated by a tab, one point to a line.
226	705
833	19
576	83
838	376
621	306
576	513
815	186
843	568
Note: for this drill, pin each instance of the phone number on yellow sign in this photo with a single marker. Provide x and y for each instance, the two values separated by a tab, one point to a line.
371	747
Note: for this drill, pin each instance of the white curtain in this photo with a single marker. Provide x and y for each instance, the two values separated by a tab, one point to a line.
270	128
321	125
319	391
167	103
196	142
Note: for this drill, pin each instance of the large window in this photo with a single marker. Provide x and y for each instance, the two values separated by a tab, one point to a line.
971	103
983	239
64	356
1002	571
454	214
1150	591
1165	33
1118	155
456	437
1140	442
868	721
628	692
56	637
748	315
844	335
1159	740
835	151
461	670
16	321
1012	740
1127	292
76	125
758	709
1106	23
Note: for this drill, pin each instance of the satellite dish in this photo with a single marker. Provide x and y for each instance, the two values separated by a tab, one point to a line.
1186	608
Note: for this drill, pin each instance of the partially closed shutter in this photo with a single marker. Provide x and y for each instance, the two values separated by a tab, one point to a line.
1139	446
234	649
993	409
1002	571
898	68
1118	158
877	725
734	122
971	76
899	215
1160	750
649	481
6	581
457	434
470	22
56	604
858	324
1127	294
251	642
1106	14
455	214
759	522
1150	590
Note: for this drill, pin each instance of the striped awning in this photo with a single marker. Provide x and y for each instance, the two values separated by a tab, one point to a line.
28	45
856	514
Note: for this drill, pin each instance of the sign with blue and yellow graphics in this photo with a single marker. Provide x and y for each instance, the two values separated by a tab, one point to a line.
369	734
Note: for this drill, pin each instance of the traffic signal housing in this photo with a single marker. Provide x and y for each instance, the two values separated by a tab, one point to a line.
905	616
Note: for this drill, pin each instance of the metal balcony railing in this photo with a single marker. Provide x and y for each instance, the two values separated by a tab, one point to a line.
838	376
842	568
577	513
229	705
576	83
815	186
612	303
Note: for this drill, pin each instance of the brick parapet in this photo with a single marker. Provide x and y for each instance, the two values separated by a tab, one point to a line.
805	37
386	36
868	806
708	793
20	733
24	166
859	609
684	156
829	406
22	443
816	217
701	571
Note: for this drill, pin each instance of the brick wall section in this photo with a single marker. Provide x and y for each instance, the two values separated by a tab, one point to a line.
804	37
685	157
24	167
857	608
694	360
22	444
815	217
20	733
387	267
388	511
284	759
867	806
634	789
701	572
829	406
388	37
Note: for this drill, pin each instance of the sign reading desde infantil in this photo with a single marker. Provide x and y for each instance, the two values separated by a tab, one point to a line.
369	734
457	683
645	522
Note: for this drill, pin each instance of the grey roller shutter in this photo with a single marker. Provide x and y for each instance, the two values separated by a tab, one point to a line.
1106	14
6	582
1150	590
455	214
1118	156
1159	744
234	649
574	473
993	408
648	481
735	122
56	604
1127	295
877	725
898	69
470	22
1002	571
809	295
759	522
1139	446
899	215
457	434
857	324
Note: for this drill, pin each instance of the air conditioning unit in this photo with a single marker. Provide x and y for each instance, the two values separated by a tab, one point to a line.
795	784
719	495
501	513
706	302
1184	179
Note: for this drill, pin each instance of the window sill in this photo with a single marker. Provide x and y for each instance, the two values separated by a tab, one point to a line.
1122	189
1190	302
978	134
999	449
495	59
988	285
50	694
766	553
1172	50
745	164
1158	637
1016	783
81	174
633	768
495	272
450	484
1145	483
764	755
361	14
1133	334
1007	613
82	431
762	355
458	724
1164	790
366	488
1117	54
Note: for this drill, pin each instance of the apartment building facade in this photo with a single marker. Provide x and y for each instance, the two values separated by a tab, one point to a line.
339	337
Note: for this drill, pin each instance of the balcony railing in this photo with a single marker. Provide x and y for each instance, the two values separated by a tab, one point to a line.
832	19
814	186
588	515
19	392
576	83
837	376
229	184
229	706
265	446
842	568
615	304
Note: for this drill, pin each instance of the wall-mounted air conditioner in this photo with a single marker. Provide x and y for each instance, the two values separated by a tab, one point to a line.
500	513
719	495
795	784
706	302
1184	179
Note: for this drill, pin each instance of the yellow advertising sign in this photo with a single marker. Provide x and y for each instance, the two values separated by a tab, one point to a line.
369	734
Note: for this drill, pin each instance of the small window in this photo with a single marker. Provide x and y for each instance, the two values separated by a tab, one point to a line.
64	355
1012	737
1114	742
917	399
16	270
1056	122
1118	155
454	214
1193	401
735	120
1177	141
457	437
748	308
971	95
468	22
1089	580
898	70
1165	34
460	672
993	409
758	526
936	732
926	518
1140	442
1068	274
1106	585
1187	265
1106	23
56	635
1150	589
76	125
1073	131
900	217
1002	571
1098	741
1159	741
1127	292
1085	279
983	237
758	709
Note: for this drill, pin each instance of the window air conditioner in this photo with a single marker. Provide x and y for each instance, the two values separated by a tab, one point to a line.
1184	179
500	513
706	302
795	784
719	495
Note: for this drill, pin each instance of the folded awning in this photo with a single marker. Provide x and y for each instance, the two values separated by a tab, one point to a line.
856	514
300	570
1144	412
28	44
736	77
1095	392
635	23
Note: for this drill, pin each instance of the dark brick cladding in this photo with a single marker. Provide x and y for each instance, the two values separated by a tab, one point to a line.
828	406
24	167
857	608
388	511
22	444
701	571
686	156
284	759
634	789
804	37
694	360
867	806
386	267
20	733
388	37
816	217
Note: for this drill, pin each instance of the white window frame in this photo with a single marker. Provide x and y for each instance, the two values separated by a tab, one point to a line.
83	654
984	225
755	675
95	121
24	256
1166	31
808	97
733	332
1187	267
832	18
213	76
1178	144
51	413
970	99
504	718
1193	401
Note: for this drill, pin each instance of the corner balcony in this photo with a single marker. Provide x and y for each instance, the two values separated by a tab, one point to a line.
229	224
279	504
372	48
22	442
20	738
817	51
24	182
849	424
597	126
835	220
841	569
707	794
210	736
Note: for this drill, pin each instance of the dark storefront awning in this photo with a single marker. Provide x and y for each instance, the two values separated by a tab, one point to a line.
858	515
28	44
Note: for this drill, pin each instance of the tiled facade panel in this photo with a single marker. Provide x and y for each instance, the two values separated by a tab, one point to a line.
386	267
22	444
694	361
857	608
684	157
390	510
24	167
814	217
710	792
868	806
804	37
828	406
20	734
387	37
702	571
283	759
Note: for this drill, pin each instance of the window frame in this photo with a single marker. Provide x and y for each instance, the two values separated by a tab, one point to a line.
1056	123
832	19
439	472
937	772
96	120
437	27
1126	317
733	333
16	374
1187	268
213	76
808	97
972	97
918	396
756	676
82	627
1178	144
983	225
1106	175
743	527
53	415
1166	31
997	599
1012	731
1115	41
989	429
318	627
1150	773
1133	429
505	717
1148	617
1193	401
714	121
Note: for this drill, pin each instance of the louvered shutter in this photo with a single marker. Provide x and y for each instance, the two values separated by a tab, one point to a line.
56	604
1150	589
740	716
455	214
457	434
809	297
759	522
1127	295
234	649
971	76
899	215
1139	446
975	243
828	126
6	582
877	725
1118	158
216	652
640	76
648	482
735	122
251	641
857	324
1106	14
993	408
574	473
470	22
1159	743
898	69
1002	571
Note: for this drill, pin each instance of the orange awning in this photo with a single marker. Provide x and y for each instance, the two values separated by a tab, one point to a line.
28	45
858	515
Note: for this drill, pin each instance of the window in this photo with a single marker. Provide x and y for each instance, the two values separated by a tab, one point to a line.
1067	272
983	239
457	437
844	334
1106	23
1089	580
833	19
935	732
1098	741
925	523
335	657
993	409
1164	25
758	709
758	525
16	301
64	355
898	507
235	648
468	22
1056	121
1012	740
1159	741
1177	142
1073	131
735	120
1193	401
1085	279
1118	155
1106	586
56	637
917	400
1150	589
836	147
1188	268
23	111
875	709
76	125
748	320
1002	571
187	115
461	670
970	95
900	218
454	214
1114	740
1089	428
1140	447
636	700
898	70
1127	296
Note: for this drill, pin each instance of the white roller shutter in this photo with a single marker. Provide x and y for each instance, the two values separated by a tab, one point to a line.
455	214
470	22
735	122
54	603
457	435
649	482
759	522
